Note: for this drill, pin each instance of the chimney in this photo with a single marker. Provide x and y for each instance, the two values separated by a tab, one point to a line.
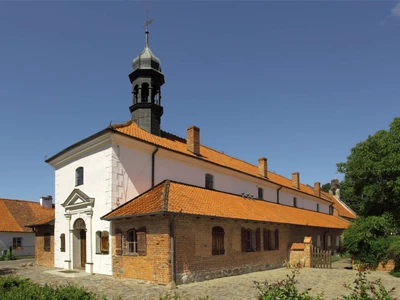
193	139
46	201
296	180
317	189
263	167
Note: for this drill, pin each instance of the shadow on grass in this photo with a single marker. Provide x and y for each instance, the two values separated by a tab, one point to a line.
7	271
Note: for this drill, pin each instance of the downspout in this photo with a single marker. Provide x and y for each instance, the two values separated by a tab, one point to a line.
172	238
277	194
153	159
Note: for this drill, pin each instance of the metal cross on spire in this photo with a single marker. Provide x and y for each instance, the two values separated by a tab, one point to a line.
147	23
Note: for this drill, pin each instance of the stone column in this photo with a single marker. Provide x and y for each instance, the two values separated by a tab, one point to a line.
89	237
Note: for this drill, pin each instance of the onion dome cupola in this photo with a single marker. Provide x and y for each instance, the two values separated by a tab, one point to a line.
146	80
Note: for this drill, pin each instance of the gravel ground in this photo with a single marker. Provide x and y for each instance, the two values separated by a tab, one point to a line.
329	281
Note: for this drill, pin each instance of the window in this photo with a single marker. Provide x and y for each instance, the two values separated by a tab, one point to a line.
209	181
331	210
17	243
294	202
246	240
260	193
258	239
102	242
218	240
317	206
337	241
62	242
136	241
118	242
329	240
276	236
267	239
79	176
318	240
46	242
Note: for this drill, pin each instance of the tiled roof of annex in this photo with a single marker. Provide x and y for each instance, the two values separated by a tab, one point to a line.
44	221
16	214
174	197
178	144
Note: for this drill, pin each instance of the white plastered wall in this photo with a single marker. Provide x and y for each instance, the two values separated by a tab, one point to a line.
28	242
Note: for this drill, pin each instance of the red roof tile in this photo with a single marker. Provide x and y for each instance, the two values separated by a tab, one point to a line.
15	214
173	197
344	211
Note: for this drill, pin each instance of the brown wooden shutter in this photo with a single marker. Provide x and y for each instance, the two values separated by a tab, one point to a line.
104	242
118	243
244	240
258	239
141	241
269	240
276	239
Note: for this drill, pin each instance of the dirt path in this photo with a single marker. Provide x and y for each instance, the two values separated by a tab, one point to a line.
329	281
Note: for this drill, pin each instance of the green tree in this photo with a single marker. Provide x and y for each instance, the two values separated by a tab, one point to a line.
326	187
371	184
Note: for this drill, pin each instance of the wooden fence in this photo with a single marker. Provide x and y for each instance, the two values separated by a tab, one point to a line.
321	258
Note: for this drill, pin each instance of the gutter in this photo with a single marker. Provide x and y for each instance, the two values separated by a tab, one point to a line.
277	194
153	160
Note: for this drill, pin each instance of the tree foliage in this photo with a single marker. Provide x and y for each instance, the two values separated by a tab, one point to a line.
371	184
326	187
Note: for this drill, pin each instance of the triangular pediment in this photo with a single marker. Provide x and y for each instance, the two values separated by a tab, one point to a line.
78	200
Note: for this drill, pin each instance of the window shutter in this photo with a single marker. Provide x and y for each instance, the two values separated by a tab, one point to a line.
104	242
244	240
118	243
276	239
258	239
62	240
269	240
141	241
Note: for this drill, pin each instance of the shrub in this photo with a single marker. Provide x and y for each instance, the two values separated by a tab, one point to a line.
366	239
284	289
176	296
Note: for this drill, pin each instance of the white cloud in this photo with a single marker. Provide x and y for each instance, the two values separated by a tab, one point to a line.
396	10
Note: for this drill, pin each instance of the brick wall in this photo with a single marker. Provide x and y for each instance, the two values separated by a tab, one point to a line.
42	257
155	266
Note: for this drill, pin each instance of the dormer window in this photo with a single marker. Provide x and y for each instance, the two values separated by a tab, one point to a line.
318	207
260	193
79	176
294	202
209	181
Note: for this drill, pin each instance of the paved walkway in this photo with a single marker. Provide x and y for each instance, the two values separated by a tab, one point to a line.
236	287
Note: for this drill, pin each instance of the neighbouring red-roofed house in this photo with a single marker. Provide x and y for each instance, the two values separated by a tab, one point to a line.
15	215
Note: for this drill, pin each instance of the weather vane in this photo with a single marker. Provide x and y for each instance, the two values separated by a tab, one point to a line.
148	22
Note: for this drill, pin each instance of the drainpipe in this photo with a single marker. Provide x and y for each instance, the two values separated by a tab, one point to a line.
172	238
153	158
277	194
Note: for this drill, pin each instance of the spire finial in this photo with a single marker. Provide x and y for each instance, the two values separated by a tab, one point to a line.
147	23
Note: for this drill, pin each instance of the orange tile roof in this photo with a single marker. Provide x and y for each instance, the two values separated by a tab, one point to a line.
298	246
15	214
175	143
343	210
44	221
174	197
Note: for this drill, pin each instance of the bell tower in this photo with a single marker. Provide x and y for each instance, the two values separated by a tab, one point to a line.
146	80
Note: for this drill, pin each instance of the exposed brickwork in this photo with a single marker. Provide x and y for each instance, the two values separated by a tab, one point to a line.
262	167
42	257
296	180
156	264
388	266
300	253
317	189
193	139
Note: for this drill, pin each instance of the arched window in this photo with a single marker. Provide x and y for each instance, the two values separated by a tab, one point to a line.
79	224
62	242
145	92
218	240
79	176
209	181
46	242
135	94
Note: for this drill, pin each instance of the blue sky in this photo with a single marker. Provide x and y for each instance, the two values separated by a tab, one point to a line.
298	82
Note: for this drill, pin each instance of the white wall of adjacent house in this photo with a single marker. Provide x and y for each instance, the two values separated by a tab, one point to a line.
23	243
134	160
97	184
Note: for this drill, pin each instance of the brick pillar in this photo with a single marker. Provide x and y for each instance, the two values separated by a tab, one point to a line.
193	139
307	251
296	180
263	167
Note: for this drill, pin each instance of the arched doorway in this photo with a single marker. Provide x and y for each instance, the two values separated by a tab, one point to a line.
79	243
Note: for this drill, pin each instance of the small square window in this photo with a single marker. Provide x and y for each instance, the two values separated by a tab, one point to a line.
17	243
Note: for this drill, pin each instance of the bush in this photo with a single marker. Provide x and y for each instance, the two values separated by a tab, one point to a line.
15	288
284	289
177	296
364	289
366	240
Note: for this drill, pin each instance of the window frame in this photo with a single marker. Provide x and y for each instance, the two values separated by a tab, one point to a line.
135	243
17	243
209	181
79	176
218	237
62	242
260	193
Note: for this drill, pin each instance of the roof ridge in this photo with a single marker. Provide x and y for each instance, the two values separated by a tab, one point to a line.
6	199
121	125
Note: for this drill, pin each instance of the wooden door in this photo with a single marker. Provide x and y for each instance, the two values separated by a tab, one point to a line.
83	248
